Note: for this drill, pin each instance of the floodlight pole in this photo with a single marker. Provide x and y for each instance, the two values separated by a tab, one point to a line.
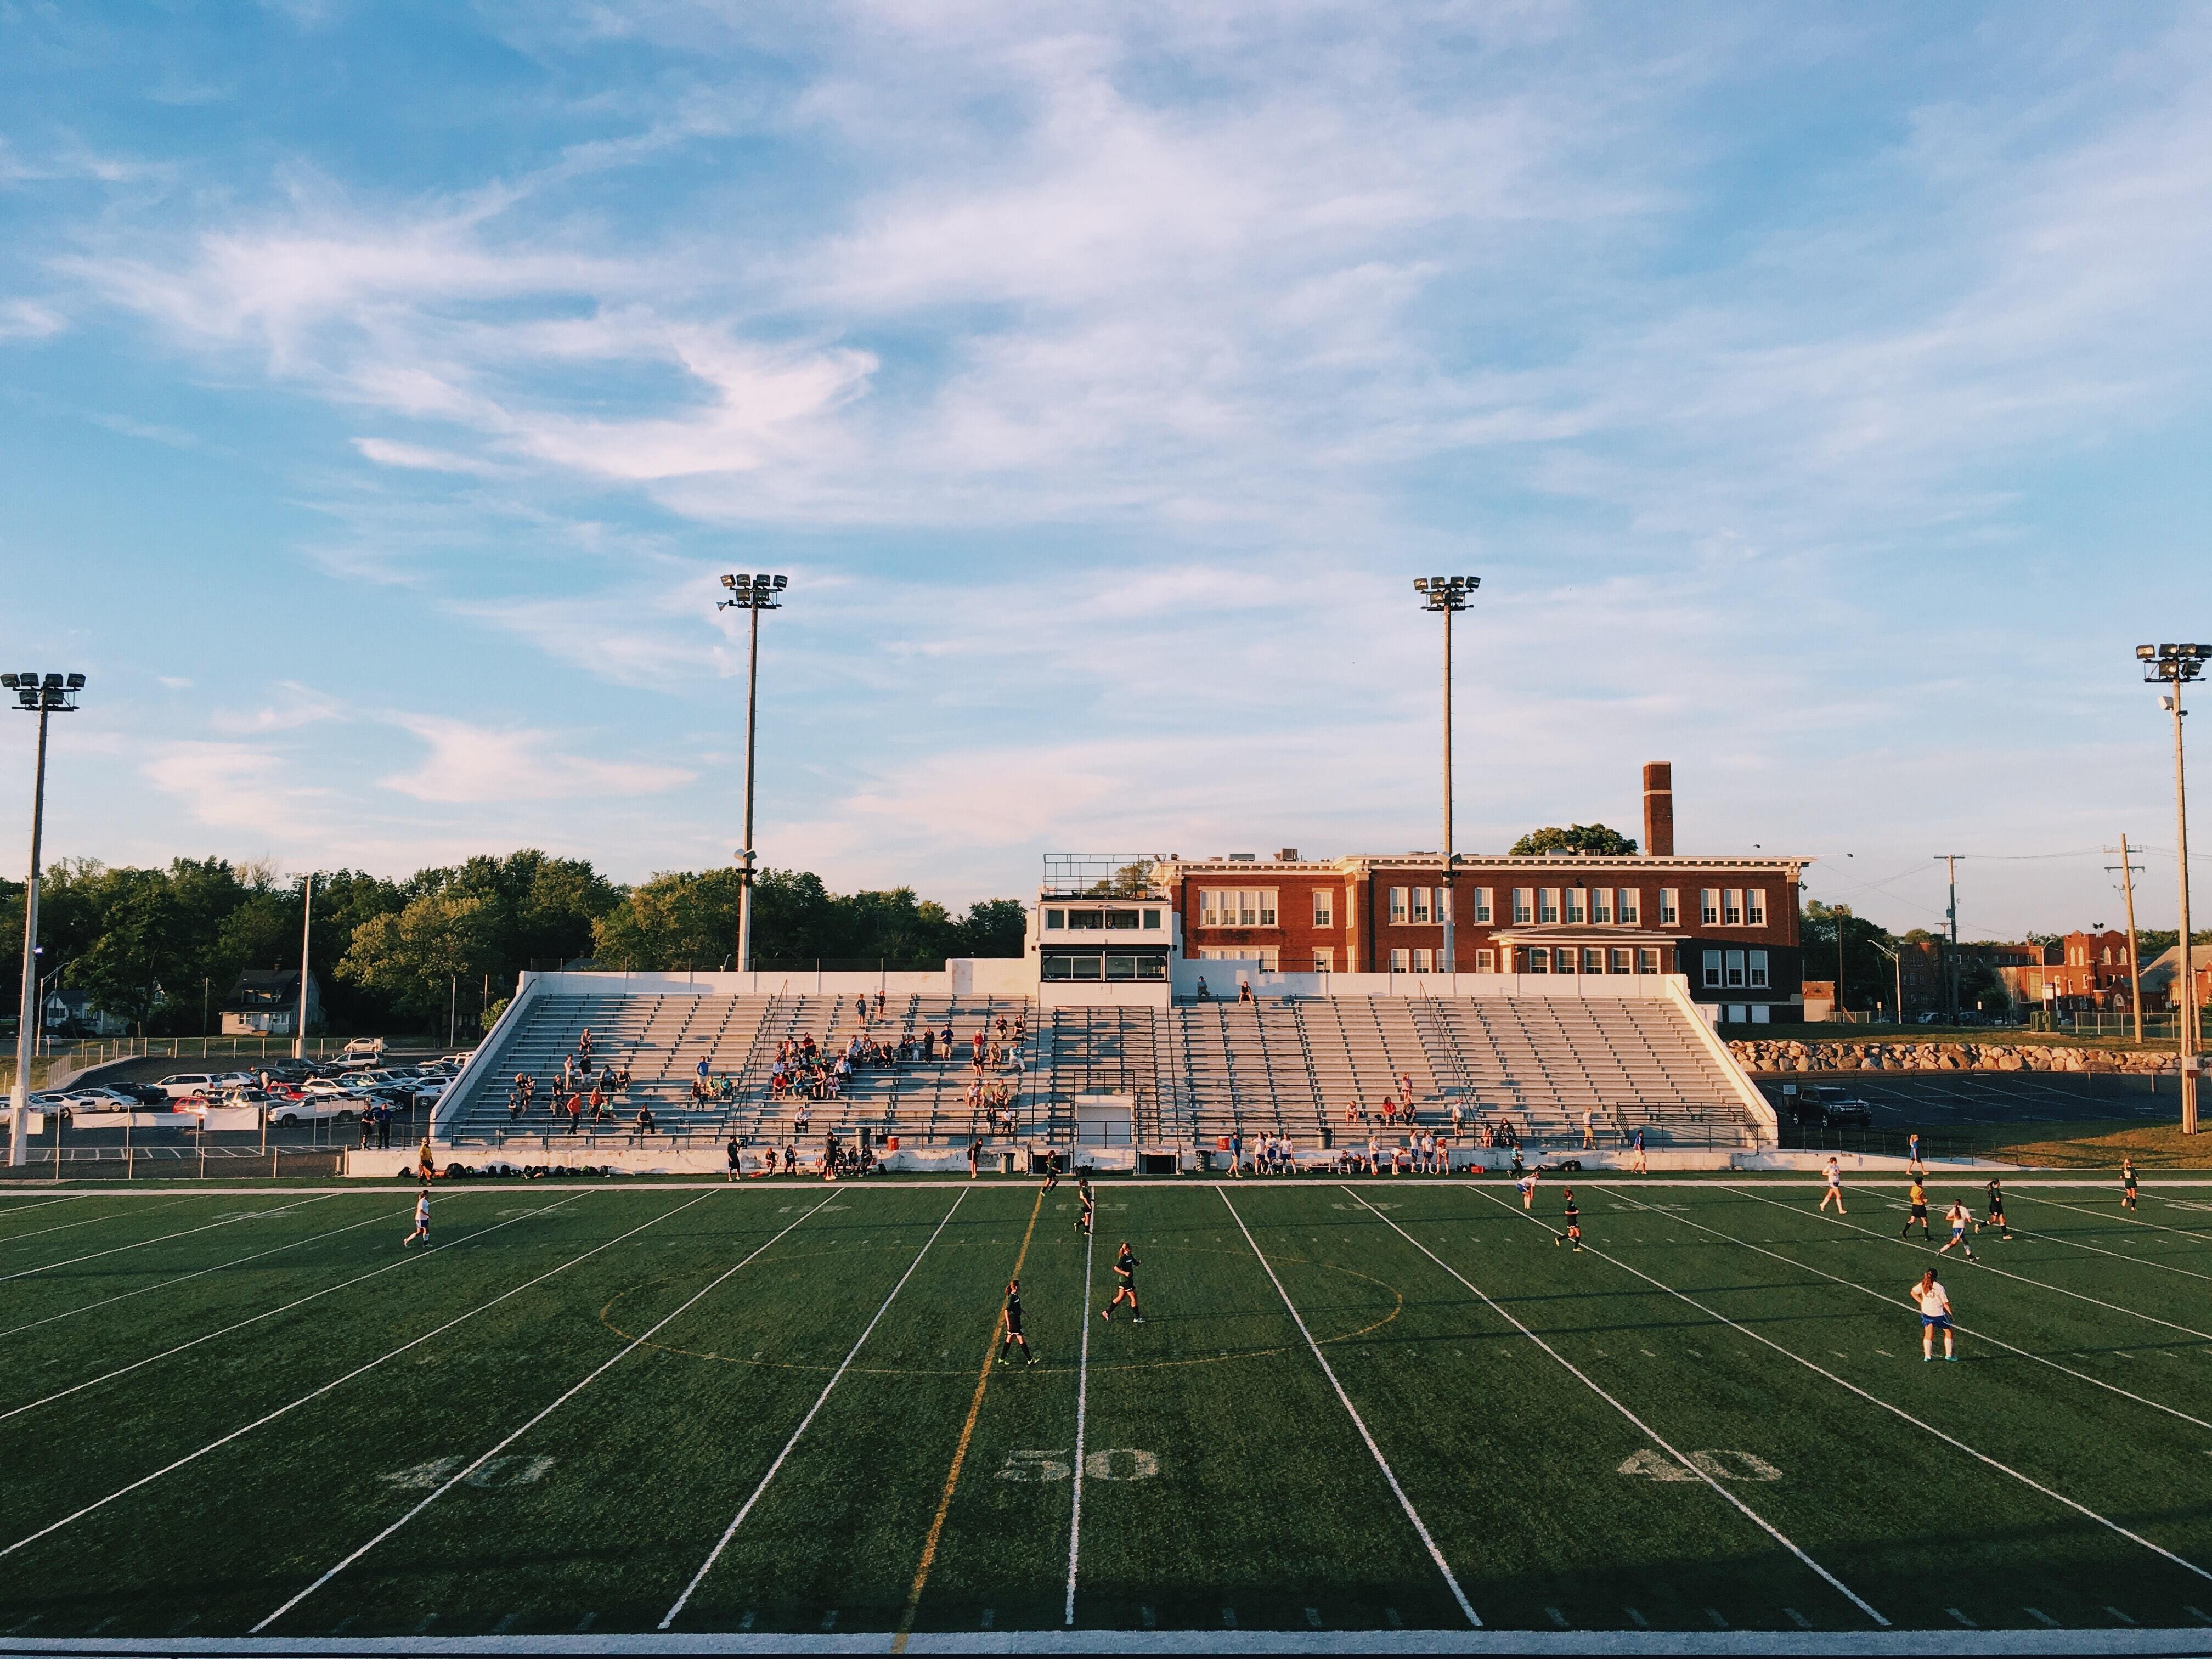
1447	595
754	593
2175	665
306	920
32	697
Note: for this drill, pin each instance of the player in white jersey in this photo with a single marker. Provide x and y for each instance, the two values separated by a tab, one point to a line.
1527	1186
1958	1218
1835	1193
421	1233
1934	1305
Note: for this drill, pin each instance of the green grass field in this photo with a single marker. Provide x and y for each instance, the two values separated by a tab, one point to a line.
769	1409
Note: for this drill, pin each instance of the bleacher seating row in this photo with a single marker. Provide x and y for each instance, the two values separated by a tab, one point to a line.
1311	1069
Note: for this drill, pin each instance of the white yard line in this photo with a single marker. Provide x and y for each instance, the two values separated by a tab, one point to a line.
2196	1233
1352	1411
125	1295
38	1204
1082	1402
1656	1439
822	1400
1892	1302
598	1371
89	1221
2002	1273
228	1221
270	1313
358	1371
2098	1249
1898	1412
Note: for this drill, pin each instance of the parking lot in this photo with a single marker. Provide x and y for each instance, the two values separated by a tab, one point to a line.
1903	1101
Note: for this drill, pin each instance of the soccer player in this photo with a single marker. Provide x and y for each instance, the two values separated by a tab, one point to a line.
1574	1219
735	1158
1917	1196
1957	1216
1083	1215
1997	1208
1913	1153
2127	1183
1834	1194
1125	1270
421	1233
1934	1304
1010	1336
1051	1171
1527	1186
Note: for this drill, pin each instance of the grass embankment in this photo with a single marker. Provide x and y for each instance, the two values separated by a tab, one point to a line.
2099	1146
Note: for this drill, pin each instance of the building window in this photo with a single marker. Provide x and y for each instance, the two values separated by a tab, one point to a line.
1055	921
1732	907
1563	960
1151	922
1736	970
1420	904
1620	962
1482	905
1713	969
1630	910
1593	959
1325	959
1540	959
1577	910
1756	964
1670	907
1601	904
1233	908
1401	960
1647	959
1265	956
1754	908
1444	904
1486	962
1761	1014
1398	904
1521	913
1548	904
1709	906
1324	909
1420	961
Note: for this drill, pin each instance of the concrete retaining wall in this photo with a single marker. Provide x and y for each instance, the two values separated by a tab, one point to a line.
1769	1059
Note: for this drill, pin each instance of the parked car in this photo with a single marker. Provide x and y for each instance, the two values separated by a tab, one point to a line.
180	1085
315	1108
1848	1112
96	1103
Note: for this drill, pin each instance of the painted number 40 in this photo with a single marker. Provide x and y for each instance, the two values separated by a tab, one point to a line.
1653	1465
1119	1464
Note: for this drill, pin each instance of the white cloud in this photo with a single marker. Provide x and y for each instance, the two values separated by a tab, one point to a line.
485	764
297	705
28	320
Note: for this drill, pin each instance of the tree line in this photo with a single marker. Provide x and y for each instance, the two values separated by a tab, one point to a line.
161	948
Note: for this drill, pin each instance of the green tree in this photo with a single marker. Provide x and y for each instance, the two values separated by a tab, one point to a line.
1575	838
679	918
142	954
415	957
994	927
1866	975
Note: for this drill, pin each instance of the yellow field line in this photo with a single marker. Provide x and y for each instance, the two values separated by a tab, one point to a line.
960	1453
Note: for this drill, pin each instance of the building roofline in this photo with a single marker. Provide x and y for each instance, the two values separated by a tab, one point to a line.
1355	862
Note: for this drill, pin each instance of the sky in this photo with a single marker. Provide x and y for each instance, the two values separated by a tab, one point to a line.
1819	392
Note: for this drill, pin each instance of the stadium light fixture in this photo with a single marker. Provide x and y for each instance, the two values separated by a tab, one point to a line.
1447	596
753	592
2176	666
43	696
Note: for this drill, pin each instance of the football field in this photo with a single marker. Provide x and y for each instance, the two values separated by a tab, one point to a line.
1353	1411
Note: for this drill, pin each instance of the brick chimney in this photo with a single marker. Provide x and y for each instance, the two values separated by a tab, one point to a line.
1659	809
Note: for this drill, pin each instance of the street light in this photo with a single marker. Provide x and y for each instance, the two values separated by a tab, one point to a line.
1897	965
1448	597
2176	665
307	921
41	694
753	593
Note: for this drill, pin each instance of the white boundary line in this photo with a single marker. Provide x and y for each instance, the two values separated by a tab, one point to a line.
1352	1411
89	1221
317	1393
228	1221
2002	1273
1895	1411
269	1313
1652	1434
1082	1402
163	1284
8	1210
1864	1290
598	1371
738	1520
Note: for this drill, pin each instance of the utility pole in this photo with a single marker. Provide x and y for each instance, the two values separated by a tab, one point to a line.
2135	956
306	920
2176	665
1951	929
1447	595
1896	961
1838	912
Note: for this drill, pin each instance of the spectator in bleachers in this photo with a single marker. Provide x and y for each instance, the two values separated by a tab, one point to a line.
1203	995
880	1004
1244	990
584	1045
643	1126
929	1047
1590	1132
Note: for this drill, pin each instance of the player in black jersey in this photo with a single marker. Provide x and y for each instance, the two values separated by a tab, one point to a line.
1051	1171
1996	1218
1125	1271
1011	1337
1574	1219
1083	1214
2127	1183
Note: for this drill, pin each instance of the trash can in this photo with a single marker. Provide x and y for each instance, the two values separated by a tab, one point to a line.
1006	1164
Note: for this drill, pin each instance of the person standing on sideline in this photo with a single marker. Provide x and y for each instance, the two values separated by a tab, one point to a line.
1589	1133
1640	1169
421	1233
973	1151
426	1164
1913	1153
1236	1153
736	1160
2128	1183
1917	1196
1835	1192
1934	1304
1957	1216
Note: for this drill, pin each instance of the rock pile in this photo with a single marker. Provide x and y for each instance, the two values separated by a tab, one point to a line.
1792	1056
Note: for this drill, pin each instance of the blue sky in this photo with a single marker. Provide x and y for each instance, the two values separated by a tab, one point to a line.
1820	392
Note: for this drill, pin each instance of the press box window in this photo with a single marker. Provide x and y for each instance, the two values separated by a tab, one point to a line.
1055	920
1082	920
1151	922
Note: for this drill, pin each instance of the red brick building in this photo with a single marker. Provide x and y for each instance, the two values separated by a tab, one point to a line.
1730	925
